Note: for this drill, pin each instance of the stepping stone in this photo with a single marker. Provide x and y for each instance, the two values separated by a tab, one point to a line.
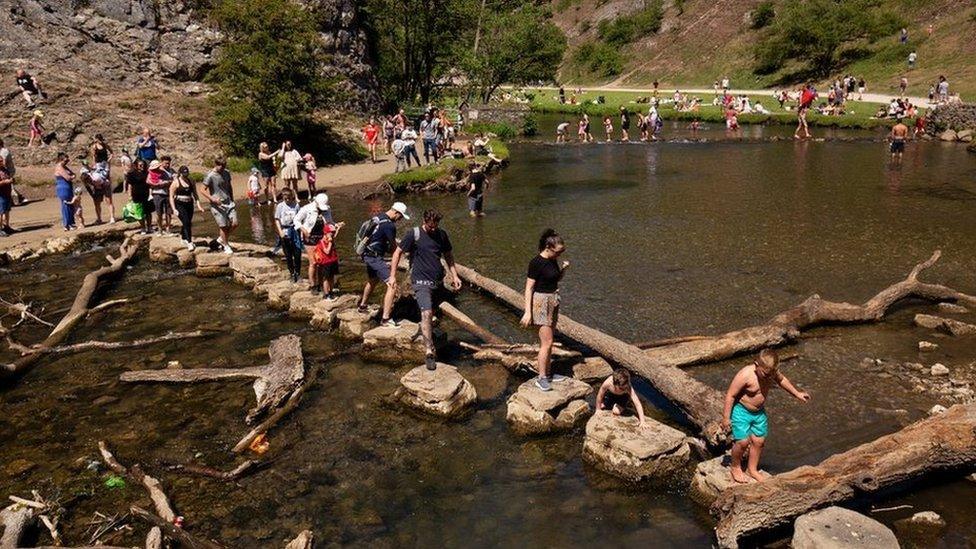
353	324
279	294
442	392
619	446
839	528
592	370
165	248
263	281
713	477
402	345
212	265
927	346
186	258
532	411
325	313
248	269
302	303
954	308
948	325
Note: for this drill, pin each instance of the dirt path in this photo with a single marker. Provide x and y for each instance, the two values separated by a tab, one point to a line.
41	218
664	91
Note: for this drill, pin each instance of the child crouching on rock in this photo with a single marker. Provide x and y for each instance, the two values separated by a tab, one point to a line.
617	395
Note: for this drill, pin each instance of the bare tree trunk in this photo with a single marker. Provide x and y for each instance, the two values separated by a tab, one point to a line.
163	507
944	443
463	320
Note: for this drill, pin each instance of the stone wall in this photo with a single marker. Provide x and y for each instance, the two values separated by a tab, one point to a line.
953	117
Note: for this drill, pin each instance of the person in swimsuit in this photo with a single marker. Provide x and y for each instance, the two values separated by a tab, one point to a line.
899	133
608	128
371	135
618	396
542	300
745	410
266	165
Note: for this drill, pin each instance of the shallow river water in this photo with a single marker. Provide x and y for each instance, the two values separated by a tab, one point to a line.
665	239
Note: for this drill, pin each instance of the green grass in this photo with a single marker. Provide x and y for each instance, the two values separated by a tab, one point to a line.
239	164
859	115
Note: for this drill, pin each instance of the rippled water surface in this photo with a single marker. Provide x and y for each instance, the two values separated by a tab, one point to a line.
665	239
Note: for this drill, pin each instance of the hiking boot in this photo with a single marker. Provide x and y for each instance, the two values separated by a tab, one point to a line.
431	362
543	384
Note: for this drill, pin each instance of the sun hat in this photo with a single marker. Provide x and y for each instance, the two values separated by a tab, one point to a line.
154	165
401	208
322	201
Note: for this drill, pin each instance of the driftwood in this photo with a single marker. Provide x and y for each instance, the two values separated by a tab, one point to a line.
471	326
16	519
303	541
172	531
944	443
163	507
79	309
701	404
668	341
267	424
203	470
274	383
111	345
154	539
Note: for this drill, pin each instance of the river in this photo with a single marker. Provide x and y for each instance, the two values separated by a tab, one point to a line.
698	234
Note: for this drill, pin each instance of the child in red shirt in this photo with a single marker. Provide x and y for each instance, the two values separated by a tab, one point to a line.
327	259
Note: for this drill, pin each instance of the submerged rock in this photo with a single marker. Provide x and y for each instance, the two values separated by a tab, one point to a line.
403	344
353	324
592	370
248	269
837	528
186	258
619	446
927	346
263	281
939	369
442	392
713	477
279	293
937	409
325	313
952	308
948	325
534	411
212	265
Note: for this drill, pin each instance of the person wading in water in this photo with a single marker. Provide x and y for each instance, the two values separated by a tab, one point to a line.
745	410
899	133
542	300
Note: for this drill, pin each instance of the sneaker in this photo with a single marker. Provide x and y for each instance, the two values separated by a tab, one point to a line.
543	384
228	250
190	246
3	233
112	220
390	323
431	362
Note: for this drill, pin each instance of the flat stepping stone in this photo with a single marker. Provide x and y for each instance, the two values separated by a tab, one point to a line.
301	303
186	258
279	293
442	392
325	313
713	477
532	411
263	281
592	370
353	324
619	446
212	265
248	269
839	528
165	248
401	345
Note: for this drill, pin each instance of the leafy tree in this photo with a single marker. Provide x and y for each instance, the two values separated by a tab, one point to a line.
815	31
626	28
516	47
267	76
598	59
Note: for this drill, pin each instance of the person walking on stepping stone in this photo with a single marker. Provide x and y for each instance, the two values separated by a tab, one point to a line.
426	245
542	300
745	410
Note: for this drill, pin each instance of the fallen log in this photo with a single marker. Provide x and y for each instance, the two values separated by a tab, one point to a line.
16	519
944	443
267	424
471	326
274	383
700	404
206	471
163	507
172	531
79	308
113	345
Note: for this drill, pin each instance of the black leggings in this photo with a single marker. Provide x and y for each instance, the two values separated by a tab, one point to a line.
184	210
293	256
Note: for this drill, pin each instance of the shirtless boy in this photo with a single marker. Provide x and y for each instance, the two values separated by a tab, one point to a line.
899	133
745	412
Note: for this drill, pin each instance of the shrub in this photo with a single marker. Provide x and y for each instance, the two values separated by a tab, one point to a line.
763	14
529	126
626	28
599	59
503	130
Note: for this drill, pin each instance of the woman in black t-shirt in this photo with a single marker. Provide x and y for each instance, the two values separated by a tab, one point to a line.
542	300
138	187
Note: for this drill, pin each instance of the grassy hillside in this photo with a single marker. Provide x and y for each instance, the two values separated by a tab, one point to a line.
699	41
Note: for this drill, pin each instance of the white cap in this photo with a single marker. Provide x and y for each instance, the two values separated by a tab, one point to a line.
322	201
401	208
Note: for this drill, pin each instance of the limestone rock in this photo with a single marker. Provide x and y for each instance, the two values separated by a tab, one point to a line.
211	265
58	245
533	411
186	258
403	344
353	324
442	392
619	446
839	528
948	135
713	477
248	269
593	369
948	325
325	313
939	369
953	308
937	409
165	248
928	518
927	346
964	135
922	529
928	321
279	294
302	303
263	281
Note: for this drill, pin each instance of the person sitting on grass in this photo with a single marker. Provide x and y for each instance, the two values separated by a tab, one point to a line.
618	396
745	410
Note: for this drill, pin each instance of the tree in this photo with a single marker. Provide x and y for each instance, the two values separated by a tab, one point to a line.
267	76
516	47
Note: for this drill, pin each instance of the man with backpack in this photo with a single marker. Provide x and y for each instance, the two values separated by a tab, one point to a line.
375	239
426	245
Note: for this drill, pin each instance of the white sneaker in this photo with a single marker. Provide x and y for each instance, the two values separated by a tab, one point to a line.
228	250
190	246
112	220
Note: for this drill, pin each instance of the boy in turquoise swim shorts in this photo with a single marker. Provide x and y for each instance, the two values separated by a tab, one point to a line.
745	410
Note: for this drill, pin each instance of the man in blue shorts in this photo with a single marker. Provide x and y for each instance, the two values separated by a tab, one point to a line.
381	242
745	410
